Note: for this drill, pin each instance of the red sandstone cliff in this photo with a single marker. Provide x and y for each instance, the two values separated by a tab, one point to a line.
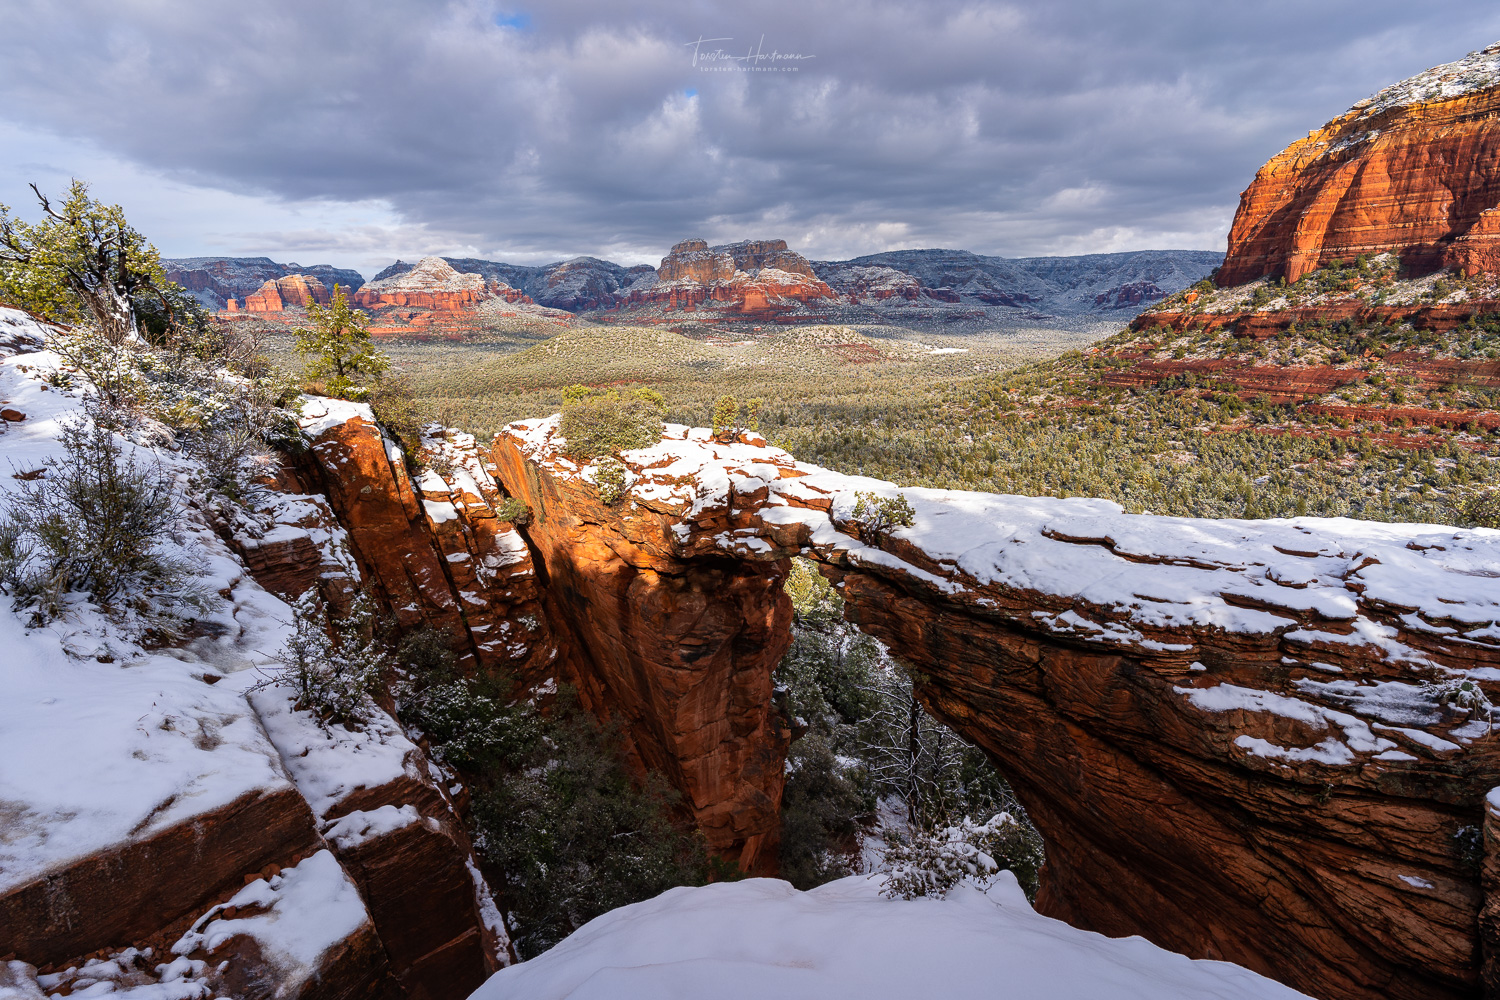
1414	170
656	628
278	294
757	279
434	284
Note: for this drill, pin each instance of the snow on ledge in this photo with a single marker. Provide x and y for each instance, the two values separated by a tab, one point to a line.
321	414
301	914
762	938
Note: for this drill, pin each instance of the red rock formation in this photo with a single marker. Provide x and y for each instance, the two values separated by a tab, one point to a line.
276	295
755	279
128	893
397	835
660	631
440	558
434	284
1217	726
1415	170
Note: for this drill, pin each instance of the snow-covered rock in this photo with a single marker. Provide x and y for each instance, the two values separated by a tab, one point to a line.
843	941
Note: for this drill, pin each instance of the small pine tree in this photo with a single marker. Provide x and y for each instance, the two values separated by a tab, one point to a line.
726	415
338	349
752	414
333	665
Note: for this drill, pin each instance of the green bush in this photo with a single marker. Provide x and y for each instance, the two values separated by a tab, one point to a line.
82	263
820	813
332	663
562	828
96	523
514	511
608	423
726	415
610	482
570	834
880	515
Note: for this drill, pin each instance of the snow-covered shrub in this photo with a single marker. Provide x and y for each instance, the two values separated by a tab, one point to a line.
600	424
1464	694
879	515
515	511
929	863
189	396
98	523
332	665
609	481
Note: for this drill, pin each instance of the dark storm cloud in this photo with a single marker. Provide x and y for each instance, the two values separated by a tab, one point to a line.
582	127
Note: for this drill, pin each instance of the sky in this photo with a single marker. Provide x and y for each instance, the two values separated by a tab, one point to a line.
356	133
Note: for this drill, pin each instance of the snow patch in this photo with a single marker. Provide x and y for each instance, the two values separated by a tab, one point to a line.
762	938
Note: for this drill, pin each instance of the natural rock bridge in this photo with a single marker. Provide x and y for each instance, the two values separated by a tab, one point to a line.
1221	728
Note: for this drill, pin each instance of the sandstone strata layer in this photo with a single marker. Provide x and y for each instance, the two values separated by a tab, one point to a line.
755	278
1414	170
434	284
435	551
279	294
658	629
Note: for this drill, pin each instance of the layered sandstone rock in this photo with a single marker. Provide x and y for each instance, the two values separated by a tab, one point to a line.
279	294
753	279
397	834
215	280
657	629
435	552
1414	170
434	284
1220	727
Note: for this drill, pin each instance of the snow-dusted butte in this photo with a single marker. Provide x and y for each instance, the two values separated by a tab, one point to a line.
762	938
1261	740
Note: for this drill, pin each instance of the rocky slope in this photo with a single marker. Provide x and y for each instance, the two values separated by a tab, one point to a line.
581	284
1221	728
1412	170
215	280
173	825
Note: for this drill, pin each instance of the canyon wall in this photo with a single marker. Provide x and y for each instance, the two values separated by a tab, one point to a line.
1232	734
1414	170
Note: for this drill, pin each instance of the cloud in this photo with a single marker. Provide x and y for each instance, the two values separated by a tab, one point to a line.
366	131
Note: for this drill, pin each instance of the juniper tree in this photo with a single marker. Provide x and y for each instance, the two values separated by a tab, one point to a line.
338	350
82	262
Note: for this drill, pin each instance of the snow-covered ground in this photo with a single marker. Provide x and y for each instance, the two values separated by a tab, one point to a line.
103	741
761	938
